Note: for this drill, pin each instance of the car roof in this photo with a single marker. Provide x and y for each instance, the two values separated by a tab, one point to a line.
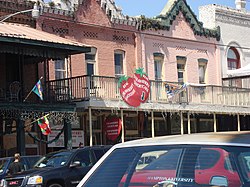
212	138
82	148
26	156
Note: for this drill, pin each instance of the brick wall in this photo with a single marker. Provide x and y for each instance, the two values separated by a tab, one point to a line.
93	27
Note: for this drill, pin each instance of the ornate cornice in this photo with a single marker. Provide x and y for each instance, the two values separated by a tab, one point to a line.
163	22
233	19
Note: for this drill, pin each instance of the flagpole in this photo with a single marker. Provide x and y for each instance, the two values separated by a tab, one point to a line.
31	91
37	120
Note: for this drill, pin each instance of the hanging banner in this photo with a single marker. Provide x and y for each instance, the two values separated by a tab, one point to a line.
112	128
136	90
174	89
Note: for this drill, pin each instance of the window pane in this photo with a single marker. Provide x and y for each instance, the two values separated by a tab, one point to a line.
233	61
90	57
60	64
244	159
202	74
158	69
84	158
60	74
231	54
180	71
118	62
60	69
180	66
90	69
118	59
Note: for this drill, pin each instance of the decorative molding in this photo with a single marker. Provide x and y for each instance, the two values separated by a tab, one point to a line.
158	45
90	34
231	19
181	48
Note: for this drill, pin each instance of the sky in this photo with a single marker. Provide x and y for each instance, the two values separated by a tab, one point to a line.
151	8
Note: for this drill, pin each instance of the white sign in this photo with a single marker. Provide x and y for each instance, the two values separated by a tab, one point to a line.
77	137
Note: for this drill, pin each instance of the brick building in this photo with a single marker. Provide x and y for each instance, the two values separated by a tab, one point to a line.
174	48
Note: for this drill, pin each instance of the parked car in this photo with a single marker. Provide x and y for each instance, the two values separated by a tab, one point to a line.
63	168
28	162
196	160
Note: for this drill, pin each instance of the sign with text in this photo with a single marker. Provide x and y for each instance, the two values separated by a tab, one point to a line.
135	90
112	128
77	137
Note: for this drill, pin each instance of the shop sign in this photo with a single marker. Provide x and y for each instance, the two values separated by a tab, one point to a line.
77	137
136	90
113	128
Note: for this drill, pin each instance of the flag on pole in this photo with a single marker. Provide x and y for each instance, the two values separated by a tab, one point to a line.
43	123
38	90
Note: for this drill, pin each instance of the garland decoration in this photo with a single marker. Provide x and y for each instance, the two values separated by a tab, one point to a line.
44	141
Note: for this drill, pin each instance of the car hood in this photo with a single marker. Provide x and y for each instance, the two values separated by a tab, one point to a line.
31	172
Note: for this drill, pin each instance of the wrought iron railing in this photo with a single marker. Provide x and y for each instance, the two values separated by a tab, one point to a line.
99	87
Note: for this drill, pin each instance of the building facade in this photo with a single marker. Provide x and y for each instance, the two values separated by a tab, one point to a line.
234	50
174	48
180	56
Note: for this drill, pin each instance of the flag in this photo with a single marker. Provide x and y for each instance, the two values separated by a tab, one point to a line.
38	90
43	123
173	89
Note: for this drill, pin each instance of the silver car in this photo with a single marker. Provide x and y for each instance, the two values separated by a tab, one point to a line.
197	160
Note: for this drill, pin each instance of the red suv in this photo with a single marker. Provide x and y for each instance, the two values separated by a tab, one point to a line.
209	162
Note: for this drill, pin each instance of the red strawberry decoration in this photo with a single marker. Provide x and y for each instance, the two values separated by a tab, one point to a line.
142	84
128	92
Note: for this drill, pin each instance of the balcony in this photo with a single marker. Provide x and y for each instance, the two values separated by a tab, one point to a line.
85	88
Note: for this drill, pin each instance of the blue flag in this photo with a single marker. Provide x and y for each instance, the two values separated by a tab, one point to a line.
38	90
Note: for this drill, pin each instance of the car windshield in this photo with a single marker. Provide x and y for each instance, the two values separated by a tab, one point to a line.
53	160
186	165
3	165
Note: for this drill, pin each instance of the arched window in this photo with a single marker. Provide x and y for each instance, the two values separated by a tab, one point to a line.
233	59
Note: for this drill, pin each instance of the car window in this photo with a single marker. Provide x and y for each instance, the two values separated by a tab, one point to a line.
98	153
184	165
31	160
24	162
3	165
54	160
118	166
244	160
84	157
207	158
148	157
167	161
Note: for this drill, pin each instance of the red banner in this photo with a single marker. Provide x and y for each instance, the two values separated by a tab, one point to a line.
112	128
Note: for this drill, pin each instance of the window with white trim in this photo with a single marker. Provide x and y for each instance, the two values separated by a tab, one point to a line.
90	59
181	64
60	69
202	70
119	56
233	59
158	63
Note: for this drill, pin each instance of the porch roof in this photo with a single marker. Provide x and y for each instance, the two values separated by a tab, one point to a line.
22	39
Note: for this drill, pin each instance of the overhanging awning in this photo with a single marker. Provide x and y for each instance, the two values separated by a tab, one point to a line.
243	72
21	39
